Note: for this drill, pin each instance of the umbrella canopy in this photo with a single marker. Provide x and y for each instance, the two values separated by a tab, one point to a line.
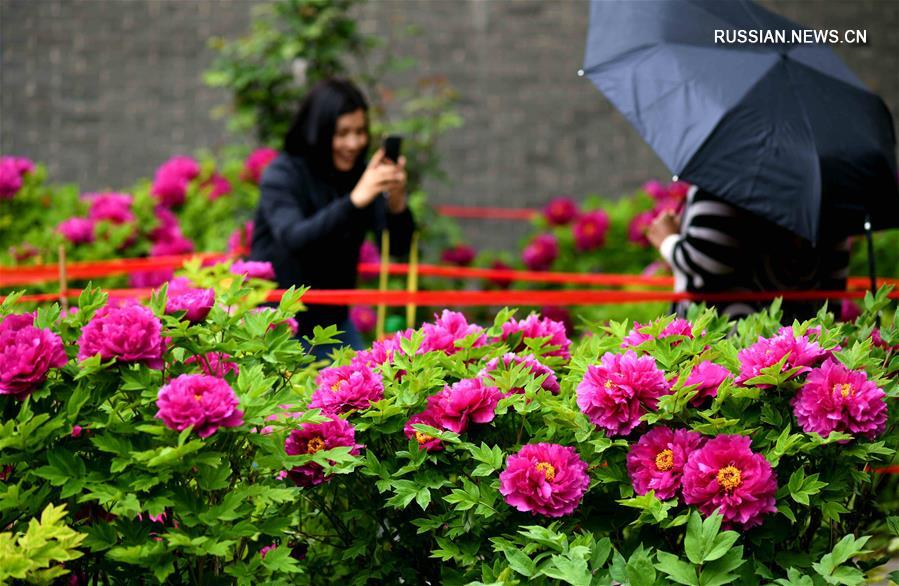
783	130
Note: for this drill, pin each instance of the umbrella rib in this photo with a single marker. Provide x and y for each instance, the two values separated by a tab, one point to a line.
597	67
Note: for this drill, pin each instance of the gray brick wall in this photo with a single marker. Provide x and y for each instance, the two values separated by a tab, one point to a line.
104	90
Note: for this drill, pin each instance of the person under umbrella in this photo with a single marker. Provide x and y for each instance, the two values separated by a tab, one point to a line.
792	152
715	247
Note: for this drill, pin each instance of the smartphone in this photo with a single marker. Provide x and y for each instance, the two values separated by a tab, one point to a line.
392	145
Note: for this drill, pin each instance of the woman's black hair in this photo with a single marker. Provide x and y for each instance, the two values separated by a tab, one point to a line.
312	132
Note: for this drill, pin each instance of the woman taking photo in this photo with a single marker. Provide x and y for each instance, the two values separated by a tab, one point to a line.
320	197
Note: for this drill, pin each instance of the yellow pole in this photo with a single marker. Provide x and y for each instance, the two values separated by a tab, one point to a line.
412	280
63	280
382	284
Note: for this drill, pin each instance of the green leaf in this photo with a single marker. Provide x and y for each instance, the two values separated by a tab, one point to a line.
601	551
679	571
830	567
640	569
802	487
520	562
569	570
719	572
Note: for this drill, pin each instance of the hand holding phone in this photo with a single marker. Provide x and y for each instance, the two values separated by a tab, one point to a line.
392	147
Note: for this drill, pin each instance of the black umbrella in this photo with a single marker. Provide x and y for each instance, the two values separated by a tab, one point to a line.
784	130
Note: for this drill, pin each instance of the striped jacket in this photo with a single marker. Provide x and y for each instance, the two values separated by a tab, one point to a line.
722	248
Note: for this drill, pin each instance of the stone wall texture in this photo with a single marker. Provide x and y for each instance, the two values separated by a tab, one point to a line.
102	91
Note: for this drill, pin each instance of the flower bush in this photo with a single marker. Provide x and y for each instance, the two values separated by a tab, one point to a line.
455	453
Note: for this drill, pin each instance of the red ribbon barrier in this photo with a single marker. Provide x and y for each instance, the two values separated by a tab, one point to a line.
500	298
11	276
28	275
485	213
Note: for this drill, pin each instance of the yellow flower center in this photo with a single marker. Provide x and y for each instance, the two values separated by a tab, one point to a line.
844	389
729	478
423	438
336	386
548	471
664	460
609	385
316	444
198	397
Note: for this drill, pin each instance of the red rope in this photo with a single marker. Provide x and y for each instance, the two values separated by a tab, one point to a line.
11	276
27	275
480	298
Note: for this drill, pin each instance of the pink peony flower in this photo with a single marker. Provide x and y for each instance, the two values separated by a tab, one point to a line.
369	254
560	211
678	190
364	318
77	230
217	185
342	389
173	243
544	479
256	164
181	167
314	437
196	303
425	441
27	354
655	189
656	461
22	165
636	230
169	190
150	279
878	341
23	252
382	350
835	398
168	224
560	314
679	327
540	254
129	333
241	239
447	328
215	364
114	208
849	311
172	180
534	327
10	179
461	255
709	376
470	399
725	474
618	391
198	400
254	269
590	230
501	282
769	351
77	430
536	368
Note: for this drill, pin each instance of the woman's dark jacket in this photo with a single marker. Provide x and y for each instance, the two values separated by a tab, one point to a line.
311	232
